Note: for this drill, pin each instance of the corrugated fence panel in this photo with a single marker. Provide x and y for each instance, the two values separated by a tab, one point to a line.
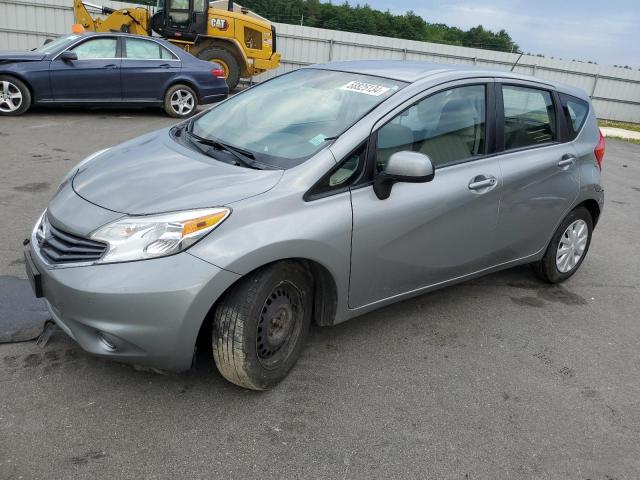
25	24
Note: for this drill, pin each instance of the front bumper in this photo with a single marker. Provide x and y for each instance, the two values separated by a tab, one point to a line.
147	312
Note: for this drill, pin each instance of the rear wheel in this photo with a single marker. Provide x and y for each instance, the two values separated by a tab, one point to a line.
568	247
227	62
180	101
15	97
260	325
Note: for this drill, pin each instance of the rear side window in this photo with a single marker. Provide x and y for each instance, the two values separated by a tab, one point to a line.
146	50
529	117
575	113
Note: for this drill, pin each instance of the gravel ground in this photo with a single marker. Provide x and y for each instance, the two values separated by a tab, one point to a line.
498	378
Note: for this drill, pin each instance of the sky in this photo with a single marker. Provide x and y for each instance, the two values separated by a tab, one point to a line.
604	31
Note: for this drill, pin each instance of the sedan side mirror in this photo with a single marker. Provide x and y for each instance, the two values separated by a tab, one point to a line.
68	56
405	166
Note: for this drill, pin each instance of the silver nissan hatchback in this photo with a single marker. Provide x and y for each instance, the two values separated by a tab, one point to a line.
317	196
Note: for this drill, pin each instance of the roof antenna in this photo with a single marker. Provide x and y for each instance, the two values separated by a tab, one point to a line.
516	62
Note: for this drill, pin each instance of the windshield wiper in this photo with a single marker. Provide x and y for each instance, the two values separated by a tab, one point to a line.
245	159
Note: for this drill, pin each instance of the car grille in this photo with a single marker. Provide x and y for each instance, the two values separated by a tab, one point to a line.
57	246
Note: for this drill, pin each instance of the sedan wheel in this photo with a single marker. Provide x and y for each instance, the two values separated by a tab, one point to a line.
180	101
14	96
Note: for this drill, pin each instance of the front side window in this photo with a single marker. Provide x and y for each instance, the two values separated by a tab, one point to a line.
529	117
575	113
146	50
57	44
448	126
96	48
287	120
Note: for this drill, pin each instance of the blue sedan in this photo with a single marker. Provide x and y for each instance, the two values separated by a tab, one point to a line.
108	69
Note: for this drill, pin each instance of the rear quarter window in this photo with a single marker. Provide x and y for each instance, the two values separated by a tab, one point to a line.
575	113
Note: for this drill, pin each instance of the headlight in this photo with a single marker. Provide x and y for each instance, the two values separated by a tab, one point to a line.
81	163
138	238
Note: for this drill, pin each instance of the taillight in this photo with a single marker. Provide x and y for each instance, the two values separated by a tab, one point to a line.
217	72
599	151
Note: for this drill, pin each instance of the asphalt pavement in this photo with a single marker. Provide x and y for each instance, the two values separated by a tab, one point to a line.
501	377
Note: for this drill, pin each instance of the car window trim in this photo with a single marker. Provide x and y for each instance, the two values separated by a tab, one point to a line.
490	106
174	58
312	194
500	118
92	37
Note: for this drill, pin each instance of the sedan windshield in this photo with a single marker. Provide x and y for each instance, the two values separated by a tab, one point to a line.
57	44
285	121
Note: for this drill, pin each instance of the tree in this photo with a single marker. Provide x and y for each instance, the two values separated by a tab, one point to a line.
364	19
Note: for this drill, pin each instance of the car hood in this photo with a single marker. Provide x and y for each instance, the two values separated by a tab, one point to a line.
8	56
155	174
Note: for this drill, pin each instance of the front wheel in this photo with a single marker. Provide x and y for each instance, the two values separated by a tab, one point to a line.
259	326
568	247
180	101
15	97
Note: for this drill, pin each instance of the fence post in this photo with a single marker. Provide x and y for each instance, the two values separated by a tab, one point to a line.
595	84
404	53
331	49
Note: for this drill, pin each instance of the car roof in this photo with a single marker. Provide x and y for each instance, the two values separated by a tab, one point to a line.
120	34
412	71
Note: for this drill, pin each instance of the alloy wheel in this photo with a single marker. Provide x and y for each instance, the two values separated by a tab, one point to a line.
571	246
10	97
182	102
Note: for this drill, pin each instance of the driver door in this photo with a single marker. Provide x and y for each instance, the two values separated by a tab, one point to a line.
428	233
94	76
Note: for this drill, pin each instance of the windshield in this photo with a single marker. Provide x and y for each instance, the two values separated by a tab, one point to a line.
57	44
285	121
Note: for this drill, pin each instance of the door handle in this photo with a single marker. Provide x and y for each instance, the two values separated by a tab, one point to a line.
482	182
164	65
111	65
567	160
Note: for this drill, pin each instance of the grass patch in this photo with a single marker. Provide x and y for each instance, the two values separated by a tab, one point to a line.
635	127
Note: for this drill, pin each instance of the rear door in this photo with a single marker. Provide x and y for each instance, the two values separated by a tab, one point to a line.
429	233
93	77
147	68
539	171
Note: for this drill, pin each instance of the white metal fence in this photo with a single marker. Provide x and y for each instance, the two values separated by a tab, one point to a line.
615	91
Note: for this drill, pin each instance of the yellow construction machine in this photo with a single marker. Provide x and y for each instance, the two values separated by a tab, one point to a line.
240	41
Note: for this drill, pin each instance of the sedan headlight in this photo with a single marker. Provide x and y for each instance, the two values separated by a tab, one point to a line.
142	237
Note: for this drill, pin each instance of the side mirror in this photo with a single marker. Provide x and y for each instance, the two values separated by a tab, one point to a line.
406	166
68	56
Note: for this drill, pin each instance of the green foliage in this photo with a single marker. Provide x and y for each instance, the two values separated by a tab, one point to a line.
364	19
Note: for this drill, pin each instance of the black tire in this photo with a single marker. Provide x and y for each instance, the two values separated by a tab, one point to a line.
180	91
229	59
13	87
547	269
259	326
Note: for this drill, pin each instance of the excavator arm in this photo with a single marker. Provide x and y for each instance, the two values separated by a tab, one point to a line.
129	20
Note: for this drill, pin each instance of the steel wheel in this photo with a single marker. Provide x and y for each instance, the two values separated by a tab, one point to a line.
182	102
10	97
279	325
572	246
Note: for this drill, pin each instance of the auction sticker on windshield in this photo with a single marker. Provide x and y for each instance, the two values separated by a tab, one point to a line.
366	88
